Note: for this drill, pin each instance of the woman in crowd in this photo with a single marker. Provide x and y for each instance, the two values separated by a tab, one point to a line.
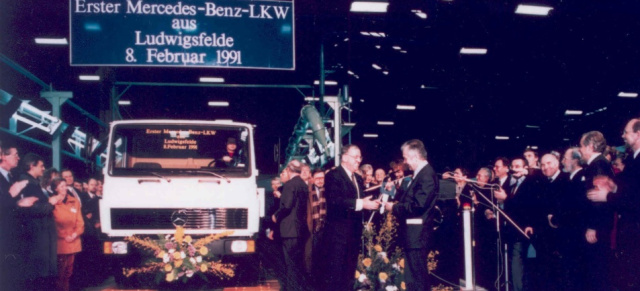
69	226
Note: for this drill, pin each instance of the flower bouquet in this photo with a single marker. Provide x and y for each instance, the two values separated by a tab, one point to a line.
180	257
382	266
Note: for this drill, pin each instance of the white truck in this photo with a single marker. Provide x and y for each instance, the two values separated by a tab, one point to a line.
160	174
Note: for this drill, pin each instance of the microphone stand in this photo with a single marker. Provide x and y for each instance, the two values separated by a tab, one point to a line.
497	212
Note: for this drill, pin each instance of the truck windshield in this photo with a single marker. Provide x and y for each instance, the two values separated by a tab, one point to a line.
179	149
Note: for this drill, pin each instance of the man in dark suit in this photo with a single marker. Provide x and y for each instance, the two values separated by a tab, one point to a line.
520	205
623	195
343	229
291	218
9	225
599	216
415	213
555	189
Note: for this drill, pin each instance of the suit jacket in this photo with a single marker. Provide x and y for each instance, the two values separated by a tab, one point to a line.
599	214
38	237
341	196
292	214
627	199
521	206
415	211
8	220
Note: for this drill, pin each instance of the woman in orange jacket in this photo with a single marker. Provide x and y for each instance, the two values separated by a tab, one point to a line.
69	226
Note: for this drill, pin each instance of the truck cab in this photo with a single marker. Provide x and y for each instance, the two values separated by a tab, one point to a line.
200	175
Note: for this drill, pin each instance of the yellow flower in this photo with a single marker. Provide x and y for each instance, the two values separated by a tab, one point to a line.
169	277
168	268
357	274
204	251
203	268
403	286
366	262
178	263
179	234
401	263
177	256
383	276
161	255
188	239
378	248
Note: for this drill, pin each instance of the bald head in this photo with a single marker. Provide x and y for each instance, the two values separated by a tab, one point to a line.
550	165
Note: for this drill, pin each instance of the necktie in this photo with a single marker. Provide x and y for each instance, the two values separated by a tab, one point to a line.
355	184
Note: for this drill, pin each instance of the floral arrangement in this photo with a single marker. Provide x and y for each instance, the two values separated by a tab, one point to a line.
382	267
180	257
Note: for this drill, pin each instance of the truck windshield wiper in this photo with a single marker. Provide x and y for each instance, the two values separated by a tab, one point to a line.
160	176
213	174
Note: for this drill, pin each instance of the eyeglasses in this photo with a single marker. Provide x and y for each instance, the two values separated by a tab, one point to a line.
356	157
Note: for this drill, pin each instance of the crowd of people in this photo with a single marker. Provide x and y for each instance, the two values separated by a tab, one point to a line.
315	218
49	225
564	220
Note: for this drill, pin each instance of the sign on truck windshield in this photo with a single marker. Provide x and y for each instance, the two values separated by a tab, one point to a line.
179	149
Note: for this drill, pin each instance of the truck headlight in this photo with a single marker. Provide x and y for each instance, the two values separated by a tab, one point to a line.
115	248
243	246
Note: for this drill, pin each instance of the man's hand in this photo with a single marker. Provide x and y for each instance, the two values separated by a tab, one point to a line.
549	217
369	204
53	200
17	187
226	159
500	194
27	202
489	214
446	175
528	230
277	194
388	186
591	236
388	207
602	186
270	236
273	218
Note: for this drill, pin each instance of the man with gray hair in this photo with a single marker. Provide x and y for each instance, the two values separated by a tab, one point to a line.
598	216
415	213
291	218
571	163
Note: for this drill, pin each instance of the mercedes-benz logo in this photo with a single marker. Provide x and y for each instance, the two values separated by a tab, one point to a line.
179	218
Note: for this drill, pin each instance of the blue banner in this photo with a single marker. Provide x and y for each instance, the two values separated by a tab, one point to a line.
223	33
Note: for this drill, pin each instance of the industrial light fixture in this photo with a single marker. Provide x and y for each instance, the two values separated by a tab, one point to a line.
502	137
406	107
218	103
211	80
473	51
124	102
89	78
370	135
395	47
628	94
326	83
57	41
350	72
365	33
532	126
573	112
369	6
385	123
375	66
385	72
533	10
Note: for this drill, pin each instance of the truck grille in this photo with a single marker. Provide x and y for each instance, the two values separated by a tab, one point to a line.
163	218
